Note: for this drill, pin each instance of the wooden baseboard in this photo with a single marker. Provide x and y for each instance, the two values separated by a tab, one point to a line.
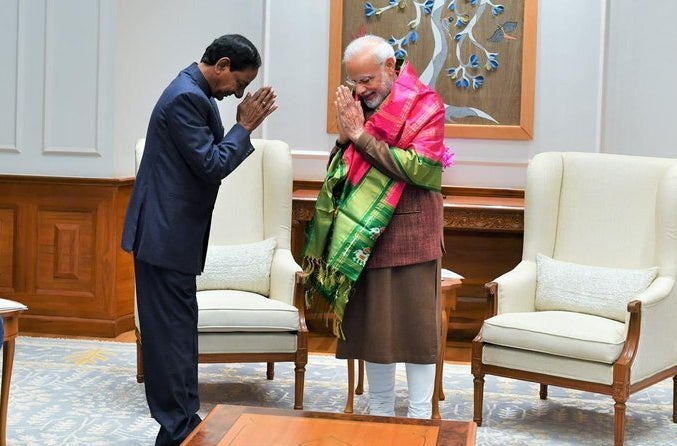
72	326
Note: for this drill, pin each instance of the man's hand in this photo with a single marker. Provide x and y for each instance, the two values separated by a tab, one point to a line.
349	115
254	108
343	137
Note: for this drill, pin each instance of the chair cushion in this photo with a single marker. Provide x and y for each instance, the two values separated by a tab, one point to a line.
561	333
238	267
247	342
233	310
10	305
594	290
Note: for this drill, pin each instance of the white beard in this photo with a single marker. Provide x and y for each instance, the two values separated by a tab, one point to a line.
375	102
381	93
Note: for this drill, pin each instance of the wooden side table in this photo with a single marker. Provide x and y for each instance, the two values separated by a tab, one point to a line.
447	304
10	311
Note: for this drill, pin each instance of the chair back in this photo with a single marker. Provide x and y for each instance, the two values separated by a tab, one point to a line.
602	209
254	201
138	153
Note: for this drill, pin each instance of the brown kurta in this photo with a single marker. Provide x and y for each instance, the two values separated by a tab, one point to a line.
393	314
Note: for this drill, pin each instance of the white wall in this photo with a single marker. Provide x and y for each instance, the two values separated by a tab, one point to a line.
56	87
85	74
640	93
159	38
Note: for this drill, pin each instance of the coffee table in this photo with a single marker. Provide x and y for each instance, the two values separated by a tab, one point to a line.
251	426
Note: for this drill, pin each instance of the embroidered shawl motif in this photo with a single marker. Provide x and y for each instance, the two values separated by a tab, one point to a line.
356	201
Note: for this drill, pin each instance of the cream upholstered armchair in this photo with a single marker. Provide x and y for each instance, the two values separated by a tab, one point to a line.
592	304
250	296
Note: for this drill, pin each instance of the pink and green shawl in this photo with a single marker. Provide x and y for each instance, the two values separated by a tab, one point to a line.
357	201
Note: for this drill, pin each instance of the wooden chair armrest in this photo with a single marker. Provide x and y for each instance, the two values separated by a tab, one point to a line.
629	351
300	299
491	299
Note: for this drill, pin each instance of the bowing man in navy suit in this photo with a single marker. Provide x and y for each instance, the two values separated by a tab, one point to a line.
167	223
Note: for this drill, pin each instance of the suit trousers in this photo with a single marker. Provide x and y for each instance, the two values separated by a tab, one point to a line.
167	309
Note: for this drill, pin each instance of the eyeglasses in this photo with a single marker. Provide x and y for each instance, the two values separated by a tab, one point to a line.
364	81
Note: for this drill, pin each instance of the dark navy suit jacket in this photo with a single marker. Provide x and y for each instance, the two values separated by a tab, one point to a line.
185	157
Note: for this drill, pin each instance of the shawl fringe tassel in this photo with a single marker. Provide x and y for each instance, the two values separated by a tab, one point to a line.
334	286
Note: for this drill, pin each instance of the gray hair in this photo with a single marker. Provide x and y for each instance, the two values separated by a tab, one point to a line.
376	45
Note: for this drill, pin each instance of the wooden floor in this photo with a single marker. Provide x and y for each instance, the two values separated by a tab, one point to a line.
457	350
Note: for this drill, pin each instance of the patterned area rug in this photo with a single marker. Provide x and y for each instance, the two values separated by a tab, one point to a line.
72	392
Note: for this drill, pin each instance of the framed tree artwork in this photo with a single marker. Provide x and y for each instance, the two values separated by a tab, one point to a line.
479	55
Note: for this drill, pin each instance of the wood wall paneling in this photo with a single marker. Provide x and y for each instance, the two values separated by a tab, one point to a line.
480	256
7	254
65	252
67	266
123	282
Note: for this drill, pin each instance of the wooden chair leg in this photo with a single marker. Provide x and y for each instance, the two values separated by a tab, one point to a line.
619	422
139	359
359	389
299	383
270	370
435	414
437	389
543	392
351	383
441	396
7	364
478	397
438	392
439	371
674	399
